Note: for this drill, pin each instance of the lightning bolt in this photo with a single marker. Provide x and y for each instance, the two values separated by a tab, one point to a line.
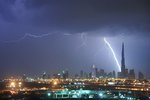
83	39
27	35
33	36
114	55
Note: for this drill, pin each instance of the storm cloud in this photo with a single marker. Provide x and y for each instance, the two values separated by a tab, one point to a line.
75	16
53	35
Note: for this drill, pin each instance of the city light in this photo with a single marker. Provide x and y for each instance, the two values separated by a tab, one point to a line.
55	83
48	94
12	84
20	84
74	91
100	94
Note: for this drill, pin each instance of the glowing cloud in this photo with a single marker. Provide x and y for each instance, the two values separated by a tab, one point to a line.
114	55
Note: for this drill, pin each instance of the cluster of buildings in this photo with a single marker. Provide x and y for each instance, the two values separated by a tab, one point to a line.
96	73
99	73
64	74
125	72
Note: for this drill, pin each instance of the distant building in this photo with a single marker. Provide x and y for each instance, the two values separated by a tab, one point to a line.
58	76
65	74
140	75
24	77
101	73
110	75
44	75
90	75
76	76
86	75
131	74
93	71
119	75
114	74
126	72
96	72
81	74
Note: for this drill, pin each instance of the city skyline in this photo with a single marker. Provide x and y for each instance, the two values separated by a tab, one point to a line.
74	49
42	35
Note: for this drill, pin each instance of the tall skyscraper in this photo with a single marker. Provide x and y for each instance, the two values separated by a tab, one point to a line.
96	72
123	62
93	71
124	71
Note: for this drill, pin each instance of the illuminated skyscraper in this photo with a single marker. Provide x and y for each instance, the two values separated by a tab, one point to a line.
93	71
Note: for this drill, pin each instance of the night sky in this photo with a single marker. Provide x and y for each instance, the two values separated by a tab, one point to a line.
55	35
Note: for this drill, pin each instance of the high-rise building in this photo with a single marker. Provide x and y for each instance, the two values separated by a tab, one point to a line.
76	76
81	74
123	62
24	77
93	71
90	75
101	73
119	75
85	75
96	72
65	74
124	71
44	75
131	74
141	75
110	75
114	74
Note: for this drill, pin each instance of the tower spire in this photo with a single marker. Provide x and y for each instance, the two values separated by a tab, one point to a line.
123	58
123	61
